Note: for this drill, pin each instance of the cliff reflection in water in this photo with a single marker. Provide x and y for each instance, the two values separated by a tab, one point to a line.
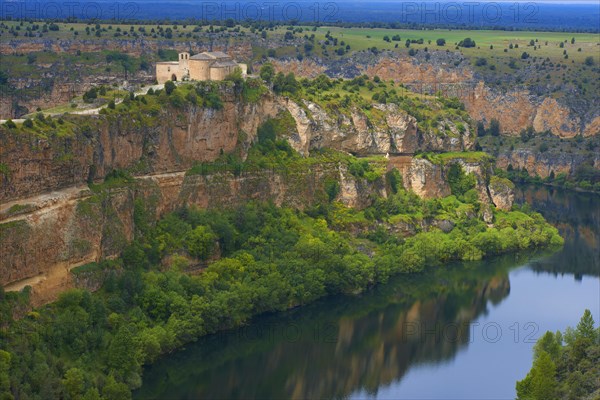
338	346
577	217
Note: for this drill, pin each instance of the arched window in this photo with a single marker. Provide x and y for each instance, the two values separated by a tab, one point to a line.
174	77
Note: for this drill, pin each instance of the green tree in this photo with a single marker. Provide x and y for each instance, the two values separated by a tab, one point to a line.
540	383
481	131
114	390
494	127
548	343
267	72
237	78
10	124
122	353
92	394
74	382
285	83
468	42
90	95
200	242
441	42
585	327
5	358
169	87
28	123
459	182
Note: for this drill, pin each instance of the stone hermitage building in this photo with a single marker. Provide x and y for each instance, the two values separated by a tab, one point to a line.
207	66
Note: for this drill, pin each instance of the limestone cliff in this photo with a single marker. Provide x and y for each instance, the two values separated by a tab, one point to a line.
388	129
52	219
174	139
540	164
452	75
429	179
56	232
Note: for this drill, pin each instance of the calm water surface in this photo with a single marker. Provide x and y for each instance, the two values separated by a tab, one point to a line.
462	332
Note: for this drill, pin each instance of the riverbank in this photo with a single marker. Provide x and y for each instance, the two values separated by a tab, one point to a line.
254	259
388	342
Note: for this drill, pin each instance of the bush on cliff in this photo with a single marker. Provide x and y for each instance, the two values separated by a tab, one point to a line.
10	124
169	87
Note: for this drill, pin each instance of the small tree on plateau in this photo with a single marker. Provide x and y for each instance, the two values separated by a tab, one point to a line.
10	124
468	42
441	42
169	87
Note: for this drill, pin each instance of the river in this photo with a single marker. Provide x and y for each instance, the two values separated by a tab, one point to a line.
461	332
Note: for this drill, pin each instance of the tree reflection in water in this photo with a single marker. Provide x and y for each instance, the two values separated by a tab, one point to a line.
343	345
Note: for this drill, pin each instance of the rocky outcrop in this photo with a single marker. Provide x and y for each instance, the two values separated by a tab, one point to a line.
540	164
502	192
426	179
451	74
388	129
518	109
593	128
173	141
429	180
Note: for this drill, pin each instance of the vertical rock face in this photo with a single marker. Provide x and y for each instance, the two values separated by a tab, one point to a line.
540	164
553	117
426	179
66	229
593	128
174	143
502	192
452	75
389	129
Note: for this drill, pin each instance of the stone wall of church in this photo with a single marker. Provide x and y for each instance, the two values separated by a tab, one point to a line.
199	70
220	73
165	72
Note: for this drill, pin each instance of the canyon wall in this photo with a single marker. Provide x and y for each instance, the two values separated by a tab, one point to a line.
452	75
62	230
176	139
173	141
52	219
388	130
